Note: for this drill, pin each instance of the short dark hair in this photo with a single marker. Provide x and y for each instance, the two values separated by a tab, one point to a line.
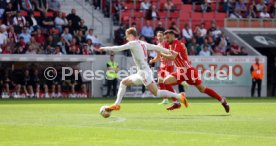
169	31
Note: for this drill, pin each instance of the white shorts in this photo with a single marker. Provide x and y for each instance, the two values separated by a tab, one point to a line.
142	77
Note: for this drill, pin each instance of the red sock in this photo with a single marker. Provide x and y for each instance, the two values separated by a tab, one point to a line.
162	87
170	88
213	93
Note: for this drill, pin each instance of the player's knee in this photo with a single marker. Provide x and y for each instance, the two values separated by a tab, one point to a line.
126	82
166	81
201	89
155	93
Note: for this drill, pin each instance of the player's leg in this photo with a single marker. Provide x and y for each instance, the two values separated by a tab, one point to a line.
31	90
37	90
114	82
169	81
18	89
7	89
108	82
214	94
25	90
59	90
46	91
84	90
53	89
253	86
162	87
259	84
165	93
128	81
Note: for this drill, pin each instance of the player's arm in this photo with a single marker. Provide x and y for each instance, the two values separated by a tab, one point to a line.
158	48
155	59
116	48
170	56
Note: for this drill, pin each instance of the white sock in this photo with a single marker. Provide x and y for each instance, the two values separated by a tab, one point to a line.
120	94
166	93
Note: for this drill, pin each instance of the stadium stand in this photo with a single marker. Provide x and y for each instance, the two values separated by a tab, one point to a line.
27	28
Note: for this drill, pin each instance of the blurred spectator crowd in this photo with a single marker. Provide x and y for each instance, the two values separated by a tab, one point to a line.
39	27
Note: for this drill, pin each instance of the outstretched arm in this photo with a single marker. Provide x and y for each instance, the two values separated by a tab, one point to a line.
116	48
170	56
157	48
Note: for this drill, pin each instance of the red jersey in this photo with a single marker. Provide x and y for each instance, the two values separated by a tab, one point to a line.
165	62
181	60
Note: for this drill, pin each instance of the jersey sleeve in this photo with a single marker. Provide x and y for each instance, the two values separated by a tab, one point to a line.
118	48
157	48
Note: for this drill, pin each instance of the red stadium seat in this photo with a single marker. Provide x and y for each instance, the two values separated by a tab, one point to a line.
50	14
219	17
37	14
163	14
213	7
177	2
208	16
23	13
184	16
125	16
186	8
174	15
197	8
129	6
138	14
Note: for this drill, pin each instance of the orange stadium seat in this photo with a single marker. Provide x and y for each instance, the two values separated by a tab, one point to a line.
267	23
232	23
244	23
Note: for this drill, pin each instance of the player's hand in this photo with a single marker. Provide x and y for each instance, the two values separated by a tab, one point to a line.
151	61
101	49
174	53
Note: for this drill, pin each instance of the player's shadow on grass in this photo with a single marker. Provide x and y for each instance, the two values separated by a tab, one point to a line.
191	116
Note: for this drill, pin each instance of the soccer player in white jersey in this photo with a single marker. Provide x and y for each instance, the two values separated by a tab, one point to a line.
144	75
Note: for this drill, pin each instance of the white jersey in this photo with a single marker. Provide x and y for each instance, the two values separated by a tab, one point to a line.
139	50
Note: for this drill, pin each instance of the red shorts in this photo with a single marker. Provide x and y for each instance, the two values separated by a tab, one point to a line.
165	71
190	76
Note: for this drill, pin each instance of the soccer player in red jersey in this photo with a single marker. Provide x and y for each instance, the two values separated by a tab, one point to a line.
185	71
166	68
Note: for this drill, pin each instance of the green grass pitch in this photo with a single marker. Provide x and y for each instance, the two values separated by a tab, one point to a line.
140	122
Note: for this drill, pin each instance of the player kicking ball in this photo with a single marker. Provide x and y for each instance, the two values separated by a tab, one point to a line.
144	75
185	71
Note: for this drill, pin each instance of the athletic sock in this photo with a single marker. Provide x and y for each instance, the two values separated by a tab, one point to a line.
214	94
120	94
166	93
170	88
162	87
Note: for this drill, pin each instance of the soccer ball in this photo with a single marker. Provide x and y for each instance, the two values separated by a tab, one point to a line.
103	112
